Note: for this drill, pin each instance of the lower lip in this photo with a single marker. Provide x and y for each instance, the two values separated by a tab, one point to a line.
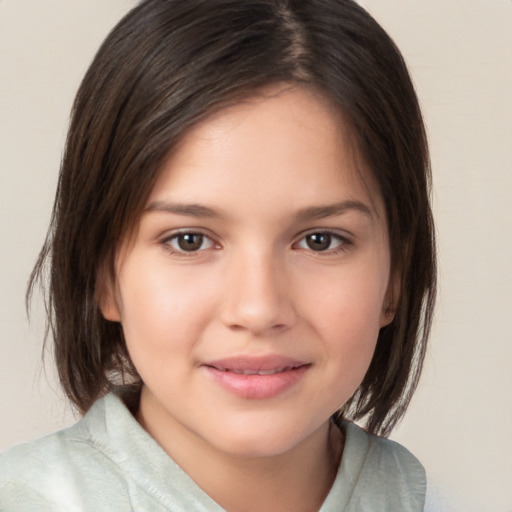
257	386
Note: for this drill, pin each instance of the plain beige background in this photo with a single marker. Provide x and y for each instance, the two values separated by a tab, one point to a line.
460	56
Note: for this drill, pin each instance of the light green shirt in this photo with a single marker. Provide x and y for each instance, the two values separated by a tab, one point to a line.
108	462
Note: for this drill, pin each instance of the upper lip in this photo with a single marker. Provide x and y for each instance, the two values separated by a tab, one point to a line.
255	364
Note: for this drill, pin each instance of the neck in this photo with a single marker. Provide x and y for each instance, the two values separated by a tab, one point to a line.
297	480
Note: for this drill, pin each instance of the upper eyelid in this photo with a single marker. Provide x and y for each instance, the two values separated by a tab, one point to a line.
186	231
167	243
339	233
345	239
343	234
168	237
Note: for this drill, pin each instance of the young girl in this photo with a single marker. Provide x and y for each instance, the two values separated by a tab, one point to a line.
241	264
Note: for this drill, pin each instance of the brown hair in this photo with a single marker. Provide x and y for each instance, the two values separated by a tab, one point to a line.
167	65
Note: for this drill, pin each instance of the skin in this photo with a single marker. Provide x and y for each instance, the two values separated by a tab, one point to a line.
254	284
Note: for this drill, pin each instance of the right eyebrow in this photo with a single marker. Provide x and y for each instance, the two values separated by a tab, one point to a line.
189	210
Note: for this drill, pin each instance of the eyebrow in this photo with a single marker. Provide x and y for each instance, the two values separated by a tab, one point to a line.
305	214
333	210
190	210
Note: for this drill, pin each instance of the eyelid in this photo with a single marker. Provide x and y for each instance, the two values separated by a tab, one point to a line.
344	238
166	239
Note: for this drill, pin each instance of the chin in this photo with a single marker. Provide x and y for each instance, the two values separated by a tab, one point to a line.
257	439
256	447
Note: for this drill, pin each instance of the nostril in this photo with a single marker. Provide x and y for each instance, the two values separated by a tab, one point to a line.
236	327
256	307
272	328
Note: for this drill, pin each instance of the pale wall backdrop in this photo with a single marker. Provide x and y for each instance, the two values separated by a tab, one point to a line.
460	55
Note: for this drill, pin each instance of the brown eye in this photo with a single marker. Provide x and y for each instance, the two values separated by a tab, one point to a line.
322	241
319	241
190	242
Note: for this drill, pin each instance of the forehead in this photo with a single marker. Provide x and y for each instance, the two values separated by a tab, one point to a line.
285	142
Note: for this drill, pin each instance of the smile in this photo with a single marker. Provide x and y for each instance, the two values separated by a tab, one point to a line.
257	378
260	372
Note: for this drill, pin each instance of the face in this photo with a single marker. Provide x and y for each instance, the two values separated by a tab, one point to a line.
252	293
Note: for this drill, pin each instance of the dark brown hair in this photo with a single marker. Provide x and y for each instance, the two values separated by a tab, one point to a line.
167	65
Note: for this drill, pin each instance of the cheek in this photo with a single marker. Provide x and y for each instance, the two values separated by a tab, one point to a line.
351	333
163	310
350	336
348	299
346	310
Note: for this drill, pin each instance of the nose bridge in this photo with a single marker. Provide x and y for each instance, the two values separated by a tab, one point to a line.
257	296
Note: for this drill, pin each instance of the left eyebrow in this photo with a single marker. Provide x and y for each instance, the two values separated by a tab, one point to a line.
333	210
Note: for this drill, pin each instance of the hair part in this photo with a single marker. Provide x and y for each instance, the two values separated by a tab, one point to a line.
167	65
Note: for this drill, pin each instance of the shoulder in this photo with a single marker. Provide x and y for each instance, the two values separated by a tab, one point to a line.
46	474
106	462
387	471
440	498
386	453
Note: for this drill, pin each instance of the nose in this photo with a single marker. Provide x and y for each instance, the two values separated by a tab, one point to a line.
258	296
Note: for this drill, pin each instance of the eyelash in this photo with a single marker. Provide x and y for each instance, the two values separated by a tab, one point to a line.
343	243
167	243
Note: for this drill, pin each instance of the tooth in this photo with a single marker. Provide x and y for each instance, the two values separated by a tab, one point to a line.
258	372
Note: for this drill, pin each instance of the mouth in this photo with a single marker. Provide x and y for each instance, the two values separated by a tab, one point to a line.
257	377
251	365
257	372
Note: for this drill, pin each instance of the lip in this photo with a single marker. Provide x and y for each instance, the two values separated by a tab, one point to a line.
257	377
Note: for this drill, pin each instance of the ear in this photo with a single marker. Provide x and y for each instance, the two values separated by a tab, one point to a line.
390	303
107	297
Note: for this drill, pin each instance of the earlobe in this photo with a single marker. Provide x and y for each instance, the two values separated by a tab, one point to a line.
106	297
387	316
110	310
390	304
